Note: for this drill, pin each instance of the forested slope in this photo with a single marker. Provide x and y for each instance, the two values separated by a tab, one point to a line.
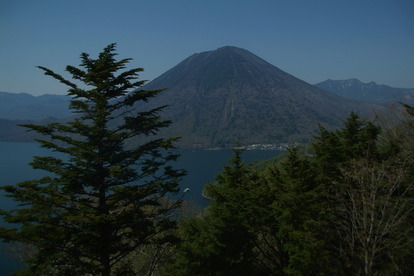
346	209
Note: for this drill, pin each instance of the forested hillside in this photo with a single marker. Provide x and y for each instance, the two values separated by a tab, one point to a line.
345	209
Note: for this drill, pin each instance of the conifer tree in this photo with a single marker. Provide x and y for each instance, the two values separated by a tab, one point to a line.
334	148
220	241
293	241
103	198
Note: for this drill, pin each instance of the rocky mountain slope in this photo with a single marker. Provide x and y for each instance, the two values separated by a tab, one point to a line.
218	97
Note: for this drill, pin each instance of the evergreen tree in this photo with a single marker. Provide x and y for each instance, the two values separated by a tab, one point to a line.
103	199
295	221
220	241
334	148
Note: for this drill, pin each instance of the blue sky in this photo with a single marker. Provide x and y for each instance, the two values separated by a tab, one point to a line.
314	40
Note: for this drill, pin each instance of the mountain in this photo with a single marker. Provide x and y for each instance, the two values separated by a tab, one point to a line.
214	99
368	92
24	106
219	97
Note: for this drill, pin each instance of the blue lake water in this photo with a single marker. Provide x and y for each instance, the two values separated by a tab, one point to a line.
201	166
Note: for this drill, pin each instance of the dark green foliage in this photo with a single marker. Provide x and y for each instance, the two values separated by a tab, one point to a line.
334	148
257	224
220	242
102	200
298	213
346	209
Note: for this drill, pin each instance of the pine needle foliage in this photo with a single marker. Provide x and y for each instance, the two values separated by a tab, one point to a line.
103	199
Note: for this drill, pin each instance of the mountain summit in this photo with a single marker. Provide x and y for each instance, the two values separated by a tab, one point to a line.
218	97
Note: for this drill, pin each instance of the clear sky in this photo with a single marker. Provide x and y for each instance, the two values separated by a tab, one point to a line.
314	40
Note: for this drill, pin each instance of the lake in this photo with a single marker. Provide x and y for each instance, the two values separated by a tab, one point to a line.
201	166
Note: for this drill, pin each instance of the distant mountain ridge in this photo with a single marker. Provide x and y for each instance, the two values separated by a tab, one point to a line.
368	92
23	106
